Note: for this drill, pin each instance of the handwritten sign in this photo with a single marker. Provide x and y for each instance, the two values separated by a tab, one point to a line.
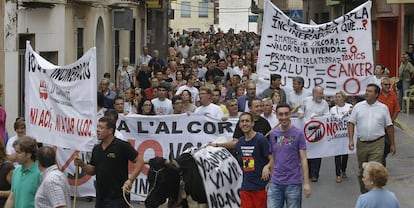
221	175
60	102
336	55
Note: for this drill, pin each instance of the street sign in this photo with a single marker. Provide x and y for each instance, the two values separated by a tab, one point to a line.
253	18
296	15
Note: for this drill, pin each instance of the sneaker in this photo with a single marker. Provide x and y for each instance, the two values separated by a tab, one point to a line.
314	179
344	175
338	179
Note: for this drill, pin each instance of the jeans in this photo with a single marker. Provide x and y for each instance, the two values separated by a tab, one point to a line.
314	167
277	195
341	162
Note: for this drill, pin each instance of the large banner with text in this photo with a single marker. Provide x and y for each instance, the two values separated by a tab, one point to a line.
336	55
173	134
60	101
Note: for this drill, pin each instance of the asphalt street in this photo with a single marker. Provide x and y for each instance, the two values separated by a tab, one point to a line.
326	193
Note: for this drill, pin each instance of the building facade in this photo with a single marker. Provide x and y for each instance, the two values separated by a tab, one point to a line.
61	31
191	15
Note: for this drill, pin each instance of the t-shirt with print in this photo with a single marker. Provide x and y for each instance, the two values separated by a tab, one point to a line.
285	146
252	156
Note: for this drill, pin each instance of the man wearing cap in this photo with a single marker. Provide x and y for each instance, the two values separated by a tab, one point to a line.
275	81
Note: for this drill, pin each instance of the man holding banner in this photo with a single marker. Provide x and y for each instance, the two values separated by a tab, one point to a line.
110	164
252	151
314	106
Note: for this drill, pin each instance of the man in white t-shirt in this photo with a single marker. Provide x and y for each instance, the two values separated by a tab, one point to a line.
206	107
191	79
162	105
184	49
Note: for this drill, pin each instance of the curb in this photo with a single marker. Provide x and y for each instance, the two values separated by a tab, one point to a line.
403	126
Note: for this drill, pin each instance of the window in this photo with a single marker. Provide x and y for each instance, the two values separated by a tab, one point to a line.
51	56
116	47
185	9
79	49
203	9
132	43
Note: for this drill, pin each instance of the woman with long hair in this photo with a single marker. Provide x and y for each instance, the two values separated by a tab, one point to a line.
186	96
147	108
178	82
139	98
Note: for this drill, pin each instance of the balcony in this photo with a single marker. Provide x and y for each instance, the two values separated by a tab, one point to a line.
124	3
40	3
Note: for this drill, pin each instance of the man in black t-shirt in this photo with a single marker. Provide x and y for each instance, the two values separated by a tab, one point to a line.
110	164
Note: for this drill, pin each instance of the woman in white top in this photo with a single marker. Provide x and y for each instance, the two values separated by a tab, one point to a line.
340	110
124	77
20	128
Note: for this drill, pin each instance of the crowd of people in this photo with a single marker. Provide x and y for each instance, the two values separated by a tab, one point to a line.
215	74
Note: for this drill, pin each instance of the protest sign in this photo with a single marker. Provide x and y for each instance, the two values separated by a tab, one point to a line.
327	136
60	102
336	55
221	174
173	134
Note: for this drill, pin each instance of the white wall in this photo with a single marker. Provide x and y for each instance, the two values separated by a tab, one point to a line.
55	29
235	14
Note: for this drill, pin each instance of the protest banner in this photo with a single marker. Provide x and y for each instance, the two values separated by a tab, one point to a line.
222	176
173	134
60	102
327	136
336	55
154	136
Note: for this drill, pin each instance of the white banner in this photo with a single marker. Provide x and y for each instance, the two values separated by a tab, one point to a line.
155	136
60	102
336	55
222	176
160	135
327	136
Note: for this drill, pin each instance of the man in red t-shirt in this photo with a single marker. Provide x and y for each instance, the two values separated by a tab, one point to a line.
390	99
